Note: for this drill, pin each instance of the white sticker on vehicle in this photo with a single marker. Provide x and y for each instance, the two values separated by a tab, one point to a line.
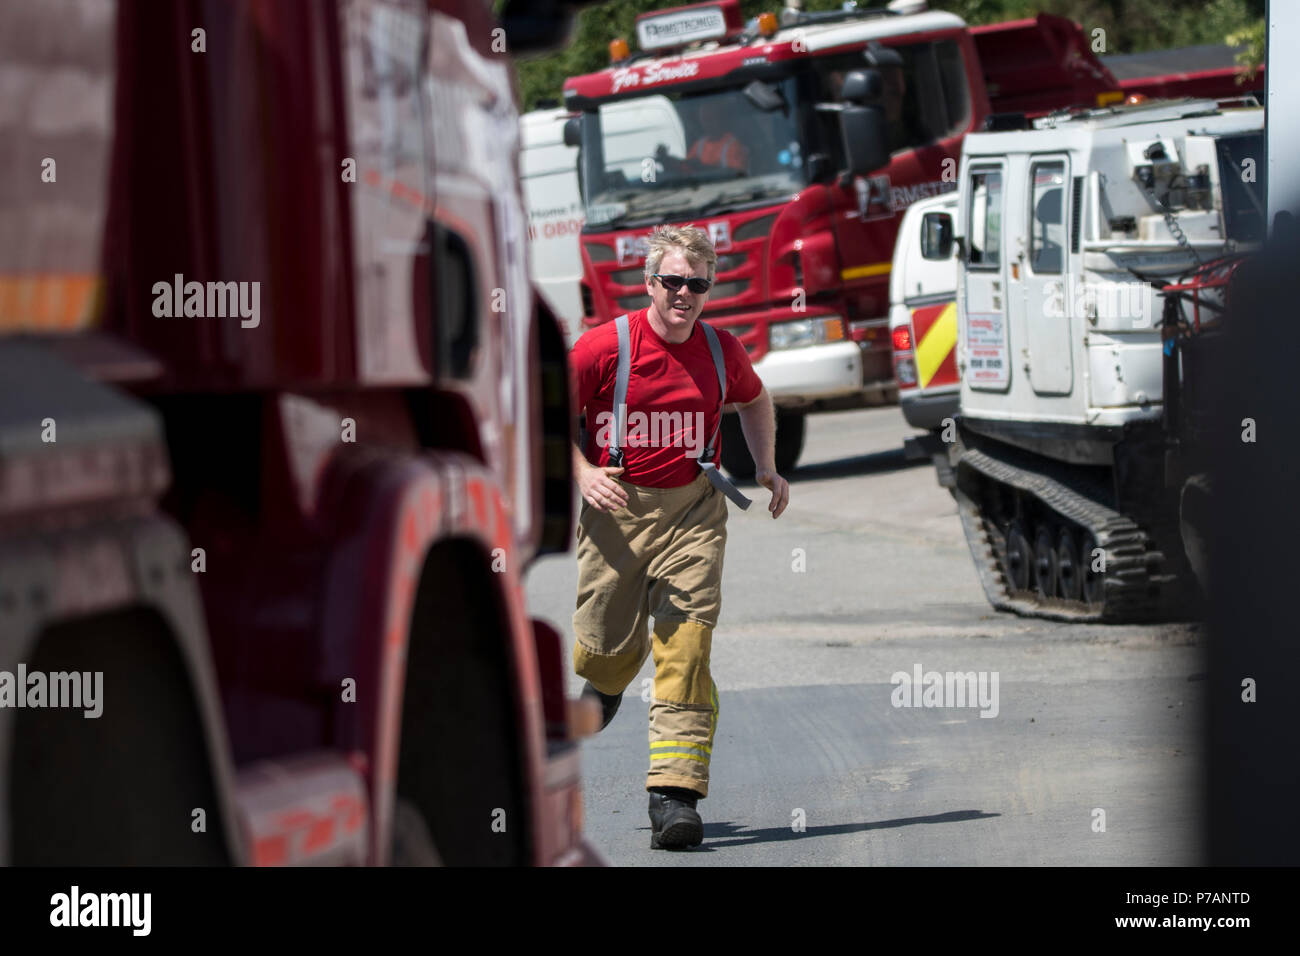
986	350
720	235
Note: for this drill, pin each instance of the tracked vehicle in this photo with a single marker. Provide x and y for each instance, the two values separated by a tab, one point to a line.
1095	254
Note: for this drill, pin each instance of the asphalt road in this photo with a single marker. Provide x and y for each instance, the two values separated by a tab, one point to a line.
813	764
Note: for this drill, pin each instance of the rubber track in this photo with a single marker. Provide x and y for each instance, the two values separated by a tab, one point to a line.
1133	588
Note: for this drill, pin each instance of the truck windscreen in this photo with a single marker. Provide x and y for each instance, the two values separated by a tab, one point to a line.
665	155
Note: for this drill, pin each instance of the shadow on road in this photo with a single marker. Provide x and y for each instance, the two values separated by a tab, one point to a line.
717	833
877	463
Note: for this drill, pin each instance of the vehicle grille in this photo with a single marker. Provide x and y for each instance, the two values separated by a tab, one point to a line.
628	277
632	303
725	290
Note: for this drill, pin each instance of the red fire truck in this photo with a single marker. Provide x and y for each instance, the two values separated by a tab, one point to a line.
281	427
819	129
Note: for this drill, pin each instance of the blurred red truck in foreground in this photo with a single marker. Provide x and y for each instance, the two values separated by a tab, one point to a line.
281	427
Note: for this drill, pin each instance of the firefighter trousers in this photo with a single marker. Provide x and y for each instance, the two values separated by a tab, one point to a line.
661	557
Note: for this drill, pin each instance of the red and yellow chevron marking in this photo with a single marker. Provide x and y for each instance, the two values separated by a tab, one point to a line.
48	302
934	329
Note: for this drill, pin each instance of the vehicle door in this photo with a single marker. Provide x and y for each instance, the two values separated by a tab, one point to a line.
1039	286
984	289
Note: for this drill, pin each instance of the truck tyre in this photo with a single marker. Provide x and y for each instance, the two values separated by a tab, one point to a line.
789	444
459	753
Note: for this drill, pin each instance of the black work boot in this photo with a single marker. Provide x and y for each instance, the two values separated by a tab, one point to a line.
674	824
608	703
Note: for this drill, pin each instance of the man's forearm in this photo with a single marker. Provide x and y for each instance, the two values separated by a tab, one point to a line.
758	422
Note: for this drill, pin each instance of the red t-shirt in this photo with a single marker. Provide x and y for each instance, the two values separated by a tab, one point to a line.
672	398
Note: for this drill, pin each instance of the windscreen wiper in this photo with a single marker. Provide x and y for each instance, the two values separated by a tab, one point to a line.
717	203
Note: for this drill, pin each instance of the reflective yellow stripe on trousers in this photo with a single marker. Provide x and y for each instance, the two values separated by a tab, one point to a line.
685	748
700	752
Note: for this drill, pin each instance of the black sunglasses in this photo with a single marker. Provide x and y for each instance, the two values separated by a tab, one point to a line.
673	283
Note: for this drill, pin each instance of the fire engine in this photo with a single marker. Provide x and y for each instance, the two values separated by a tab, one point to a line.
819	129
290	547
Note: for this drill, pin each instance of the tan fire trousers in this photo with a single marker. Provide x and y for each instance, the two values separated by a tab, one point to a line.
659	556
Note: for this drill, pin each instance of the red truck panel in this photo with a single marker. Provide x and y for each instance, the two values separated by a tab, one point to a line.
1037	65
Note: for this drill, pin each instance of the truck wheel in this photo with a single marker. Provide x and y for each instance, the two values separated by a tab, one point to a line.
1093	588
460	757
789	444
1046	567
1069	578
1019	557
789	439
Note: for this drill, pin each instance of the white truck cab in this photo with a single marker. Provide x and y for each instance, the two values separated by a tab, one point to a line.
548	171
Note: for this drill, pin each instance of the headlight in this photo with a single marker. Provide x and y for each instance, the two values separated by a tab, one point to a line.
803	332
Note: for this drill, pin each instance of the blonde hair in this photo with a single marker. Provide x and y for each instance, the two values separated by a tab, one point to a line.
691	242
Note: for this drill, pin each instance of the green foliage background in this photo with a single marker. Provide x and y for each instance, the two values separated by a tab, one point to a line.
1131	26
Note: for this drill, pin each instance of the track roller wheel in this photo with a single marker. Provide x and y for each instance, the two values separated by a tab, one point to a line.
1019	557
1091	580
1044	563
1069	573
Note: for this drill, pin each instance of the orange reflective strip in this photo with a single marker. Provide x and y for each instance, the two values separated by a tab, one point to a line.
862	272
48	301
8	304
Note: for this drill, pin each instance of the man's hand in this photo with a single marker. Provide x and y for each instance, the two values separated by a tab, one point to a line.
758	423
598	487
779	487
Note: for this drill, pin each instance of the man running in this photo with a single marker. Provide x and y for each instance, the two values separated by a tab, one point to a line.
652	527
